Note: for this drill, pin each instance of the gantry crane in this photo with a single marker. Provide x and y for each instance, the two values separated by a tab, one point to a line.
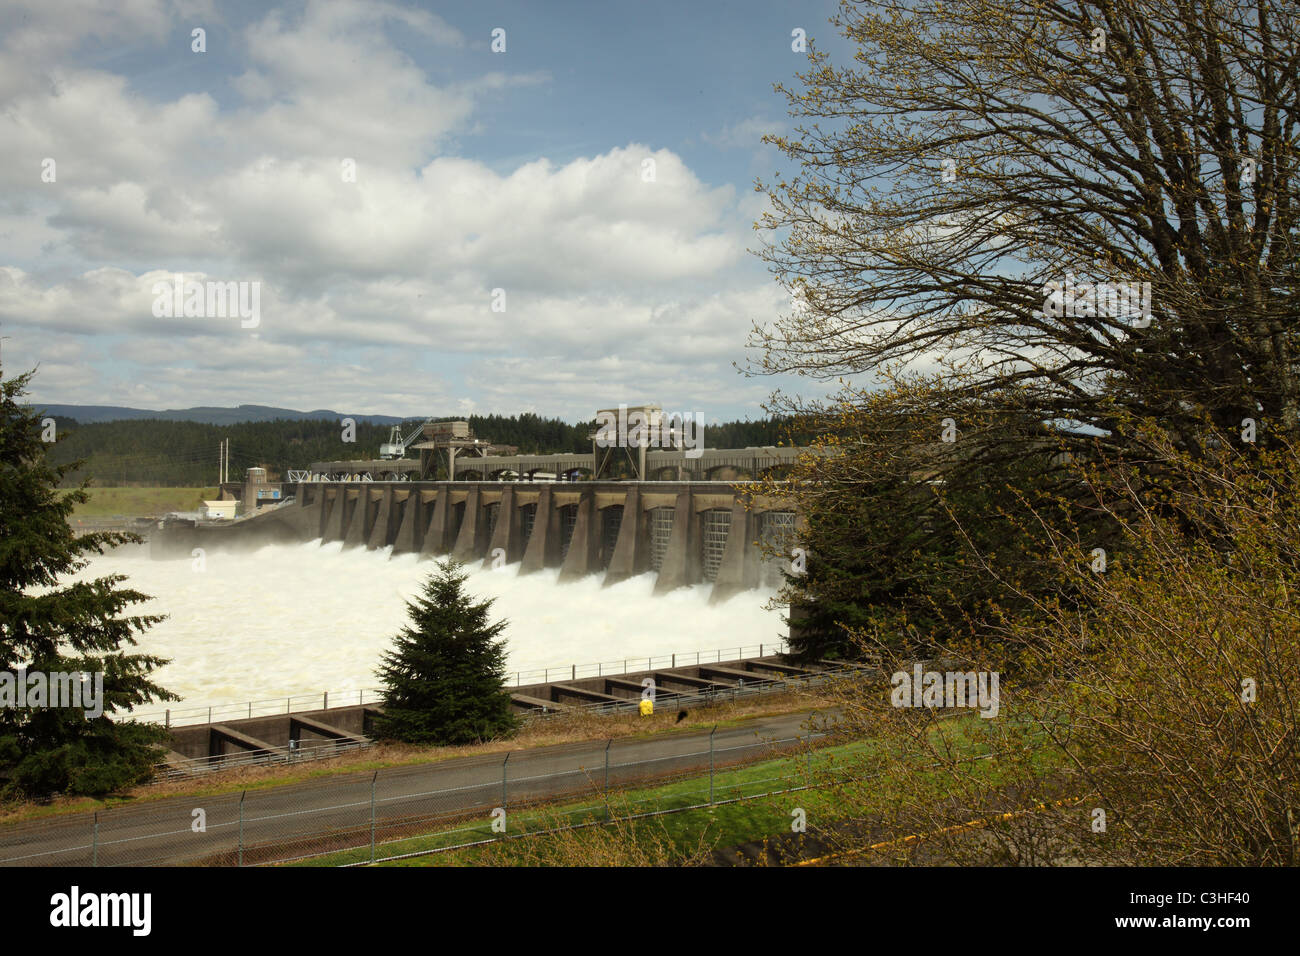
396	445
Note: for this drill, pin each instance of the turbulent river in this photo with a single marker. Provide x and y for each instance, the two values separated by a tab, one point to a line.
300	619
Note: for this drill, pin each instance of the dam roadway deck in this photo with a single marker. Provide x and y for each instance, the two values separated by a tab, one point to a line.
685	532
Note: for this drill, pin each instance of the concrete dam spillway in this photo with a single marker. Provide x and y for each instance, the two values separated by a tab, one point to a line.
685	532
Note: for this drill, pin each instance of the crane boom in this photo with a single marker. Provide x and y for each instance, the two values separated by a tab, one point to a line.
396	445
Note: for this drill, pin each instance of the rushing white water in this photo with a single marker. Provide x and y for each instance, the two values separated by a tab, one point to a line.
299	619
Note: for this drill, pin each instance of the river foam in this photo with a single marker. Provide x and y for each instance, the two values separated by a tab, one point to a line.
301	619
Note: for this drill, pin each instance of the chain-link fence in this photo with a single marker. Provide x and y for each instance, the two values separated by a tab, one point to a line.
359	818
295	752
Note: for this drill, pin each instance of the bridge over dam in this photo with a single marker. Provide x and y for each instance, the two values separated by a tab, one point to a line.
704	464
685	532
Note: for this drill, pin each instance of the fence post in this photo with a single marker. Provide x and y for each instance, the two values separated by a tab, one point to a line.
241	827
711	733
674	660
574	674
325	701
372	815
250	709
167	720
209	715
808	770
94	843
504	765
607	746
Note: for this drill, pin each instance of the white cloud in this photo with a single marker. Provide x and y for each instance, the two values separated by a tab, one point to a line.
332	84
615	285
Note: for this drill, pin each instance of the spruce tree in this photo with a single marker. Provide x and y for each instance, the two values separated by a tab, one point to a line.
444	680
75	628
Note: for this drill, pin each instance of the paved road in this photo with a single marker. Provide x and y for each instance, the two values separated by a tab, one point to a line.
288	821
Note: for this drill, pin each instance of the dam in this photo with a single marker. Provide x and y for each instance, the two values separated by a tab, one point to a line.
684	532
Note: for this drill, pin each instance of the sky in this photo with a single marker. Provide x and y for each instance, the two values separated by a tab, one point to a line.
418	223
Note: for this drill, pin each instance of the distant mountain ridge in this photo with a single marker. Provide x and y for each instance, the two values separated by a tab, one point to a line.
206	414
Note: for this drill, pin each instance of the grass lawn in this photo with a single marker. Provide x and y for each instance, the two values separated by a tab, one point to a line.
139	502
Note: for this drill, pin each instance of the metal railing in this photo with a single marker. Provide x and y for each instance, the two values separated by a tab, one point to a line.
304	752
274	706
113	523
325	749
266	707
628	665
708	696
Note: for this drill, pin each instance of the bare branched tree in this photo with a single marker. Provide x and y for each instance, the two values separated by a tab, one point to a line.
989	185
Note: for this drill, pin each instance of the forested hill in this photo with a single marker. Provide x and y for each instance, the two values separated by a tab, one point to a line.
207	414
184	453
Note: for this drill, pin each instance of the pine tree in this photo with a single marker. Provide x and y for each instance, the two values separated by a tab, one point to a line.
76	628
444	680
